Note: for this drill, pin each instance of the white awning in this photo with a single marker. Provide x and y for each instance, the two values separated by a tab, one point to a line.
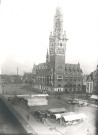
74	117
94	97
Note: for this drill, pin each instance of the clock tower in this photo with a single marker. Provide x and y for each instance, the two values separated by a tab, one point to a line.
57	49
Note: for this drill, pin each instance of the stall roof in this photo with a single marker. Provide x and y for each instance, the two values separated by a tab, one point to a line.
57	110
74	117
94	97
63	114
40	95
34	97
25	95
68	113
31	96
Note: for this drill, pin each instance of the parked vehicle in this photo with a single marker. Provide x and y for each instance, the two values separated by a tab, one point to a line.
83	103
10	99
41	114
73	102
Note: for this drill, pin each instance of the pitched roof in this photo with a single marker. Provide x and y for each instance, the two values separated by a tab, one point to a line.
57	110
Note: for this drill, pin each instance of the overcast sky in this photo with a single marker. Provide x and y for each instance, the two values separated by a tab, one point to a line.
25	26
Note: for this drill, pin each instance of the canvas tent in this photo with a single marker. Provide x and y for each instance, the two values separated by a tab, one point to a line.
34	100
72	117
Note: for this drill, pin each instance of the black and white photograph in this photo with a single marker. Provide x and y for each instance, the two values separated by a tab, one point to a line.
48	67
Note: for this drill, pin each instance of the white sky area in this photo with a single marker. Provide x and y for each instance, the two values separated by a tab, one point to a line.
25	26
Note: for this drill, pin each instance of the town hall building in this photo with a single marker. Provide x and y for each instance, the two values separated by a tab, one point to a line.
55	74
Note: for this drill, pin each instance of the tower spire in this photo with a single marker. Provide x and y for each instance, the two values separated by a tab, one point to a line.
58	24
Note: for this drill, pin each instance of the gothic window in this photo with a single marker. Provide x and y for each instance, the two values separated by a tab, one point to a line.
69	69
52	44
65	69
78	85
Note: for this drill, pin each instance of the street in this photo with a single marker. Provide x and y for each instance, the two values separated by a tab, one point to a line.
88	126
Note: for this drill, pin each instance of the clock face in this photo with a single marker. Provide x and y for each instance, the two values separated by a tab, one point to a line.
60	51
61	44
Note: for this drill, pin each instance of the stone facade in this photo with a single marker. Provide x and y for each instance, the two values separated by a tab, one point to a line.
89	84
56	74
92	82
95	79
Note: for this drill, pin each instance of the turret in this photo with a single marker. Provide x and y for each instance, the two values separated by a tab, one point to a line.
47	57
64	36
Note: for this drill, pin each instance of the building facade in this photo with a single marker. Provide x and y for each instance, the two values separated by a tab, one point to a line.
55	74
95	80
11	79
92	82
89	84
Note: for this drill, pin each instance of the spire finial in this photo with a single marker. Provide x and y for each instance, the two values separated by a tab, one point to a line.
64	36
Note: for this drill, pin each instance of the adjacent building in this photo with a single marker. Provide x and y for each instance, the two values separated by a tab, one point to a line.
11	79
55	74
95	79
92	82
89	84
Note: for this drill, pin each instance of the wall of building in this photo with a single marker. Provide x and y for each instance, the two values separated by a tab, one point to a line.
89	86
55	74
